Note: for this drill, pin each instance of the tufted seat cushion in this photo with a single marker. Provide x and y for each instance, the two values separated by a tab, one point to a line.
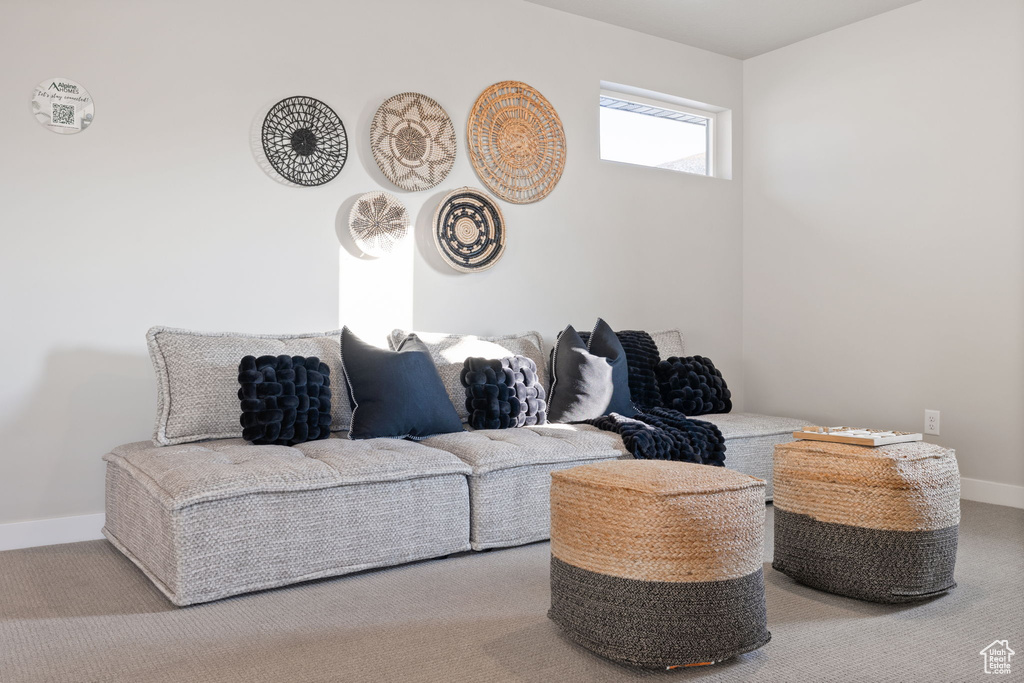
511	475
488	450
217	518
187	474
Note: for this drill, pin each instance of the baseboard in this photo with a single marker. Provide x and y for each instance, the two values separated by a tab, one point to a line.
51	531
992	492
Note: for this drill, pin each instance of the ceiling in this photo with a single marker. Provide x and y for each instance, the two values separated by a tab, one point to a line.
737	28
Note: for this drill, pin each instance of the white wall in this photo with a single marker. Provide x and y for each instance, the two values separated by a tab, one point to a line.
884	228
158	213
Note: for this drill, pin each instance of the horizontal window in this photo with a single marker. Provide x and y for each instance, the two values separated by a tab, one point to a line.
660	134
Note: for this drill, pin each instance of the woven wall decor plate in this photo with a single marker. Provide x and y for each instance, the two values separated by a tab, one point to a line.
516	142
413	141
378	222
469	230
304	140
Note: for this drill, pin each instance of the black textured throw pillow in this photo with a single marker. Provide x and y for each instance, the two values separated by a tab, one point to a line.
693	386
642	353
285	399
395	394
490	401
503	393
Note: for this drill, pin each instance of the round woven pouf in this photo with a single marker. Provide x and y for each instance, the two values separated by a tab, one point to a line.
877	524
658	564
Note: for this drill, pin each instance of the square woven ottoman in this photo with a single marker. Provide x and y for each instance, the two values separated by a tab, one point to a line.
877	524
658	564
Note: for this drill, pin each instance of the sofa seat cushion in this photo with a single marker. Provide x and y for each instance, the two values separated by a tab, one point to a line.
208	520
750	441
511	475
488	450
748	425
186	474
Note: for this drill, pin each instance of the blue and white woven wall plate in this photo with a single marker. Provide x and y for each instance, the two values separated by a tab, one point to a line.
469	230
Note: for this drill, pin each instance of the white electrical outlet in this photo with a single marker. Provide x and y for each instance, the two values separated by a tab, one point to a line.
931	422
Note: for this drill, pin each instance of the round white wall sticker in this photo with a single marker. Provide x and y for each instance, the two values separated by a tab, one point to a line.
63	106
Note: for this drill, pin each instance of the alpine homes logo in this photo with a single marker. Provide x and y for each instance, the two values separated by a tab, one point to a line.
61	86
997	657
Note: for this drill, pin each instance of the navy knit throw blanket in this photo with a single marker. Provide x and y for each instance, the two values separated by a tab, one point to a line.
655	432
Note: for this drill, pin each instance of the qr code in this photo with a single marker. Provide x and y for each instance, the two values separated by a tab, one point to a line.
63	115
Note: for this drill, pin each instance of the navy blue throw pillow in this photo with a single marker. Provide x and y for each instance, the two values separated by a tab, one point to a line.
693	386
605	343
395	394
285	399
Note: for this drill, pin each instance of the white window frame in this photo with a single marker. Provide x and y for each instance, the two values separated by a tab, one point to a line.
718	127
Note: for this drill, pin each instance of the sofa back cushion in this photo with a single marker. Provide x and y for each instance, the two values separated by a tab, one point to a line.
669	343
450	352
197	378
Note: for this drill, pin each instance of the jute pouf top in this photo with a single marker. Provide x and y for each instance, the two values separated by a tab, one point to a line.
697	523
877	524
657	563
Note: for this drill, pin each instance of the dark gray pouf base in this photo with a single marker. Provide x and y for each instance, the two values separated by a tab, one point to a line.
867	564
658	624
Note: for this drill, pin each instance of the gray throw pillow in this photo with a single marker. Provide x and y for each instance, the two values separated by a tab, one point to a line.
605	343
581	387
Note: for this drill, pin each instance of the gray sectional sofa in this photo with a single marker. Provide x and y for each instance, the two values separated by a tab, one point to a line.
219	517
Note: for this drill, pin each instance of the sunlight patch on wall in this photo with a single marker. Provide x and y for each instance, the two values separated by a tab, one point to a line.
375	294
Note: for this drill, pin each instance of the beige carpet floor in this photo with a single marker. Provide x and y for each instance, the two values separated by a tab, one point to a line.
82	612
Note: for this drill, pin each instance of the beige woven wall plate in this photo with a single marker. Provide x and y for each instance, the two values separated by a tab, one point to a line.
516	142
413	141
469	230
378	222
